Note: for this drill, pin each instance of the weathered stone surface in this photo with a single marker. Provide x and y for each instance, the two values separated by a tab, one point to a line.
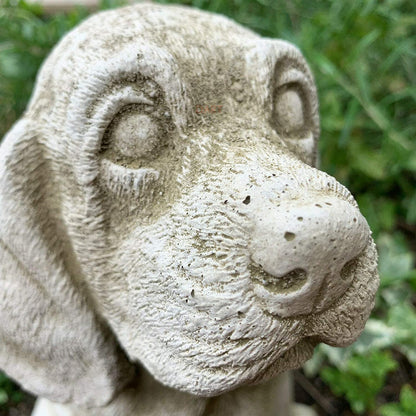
160	207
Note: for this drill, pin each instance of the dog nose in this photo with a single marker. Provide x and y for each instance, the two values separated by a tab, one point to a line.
304	254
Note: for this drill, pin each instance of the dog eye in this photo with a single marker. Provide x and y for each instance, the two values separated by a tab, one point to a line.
133	133
289	112
134	145
292	121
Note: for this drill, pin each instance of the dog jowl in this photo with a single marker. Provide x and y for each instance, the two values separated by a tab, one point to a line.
136	230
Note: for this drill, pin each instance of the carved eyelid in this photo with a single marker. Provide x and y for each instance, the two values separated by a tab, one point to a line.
122	180
110	105
290	76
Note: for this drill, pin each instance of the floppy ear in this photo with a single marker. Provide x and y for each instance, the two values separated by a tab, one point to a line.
51	341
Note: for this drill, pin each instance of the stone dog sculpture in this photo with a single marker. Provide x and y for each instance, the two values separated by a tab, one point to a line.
154	257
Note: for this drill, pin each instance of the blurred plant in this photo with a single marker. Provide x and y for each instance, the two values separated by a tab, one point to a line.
362	53
361	380
9	392
27	35
406	407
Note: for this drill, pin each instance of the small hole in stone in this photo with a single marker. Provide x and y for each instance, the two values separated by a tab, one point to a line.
192	292
355	219
247	200
300	218
226	201
317	205
289	236
240	314
328	203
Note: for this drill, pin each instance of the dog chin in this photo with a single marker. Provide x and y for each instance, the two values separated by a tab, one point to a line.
189	376
204	343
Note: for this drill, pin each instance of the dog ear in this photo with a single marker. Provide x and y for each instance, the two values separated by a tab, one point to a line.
52	342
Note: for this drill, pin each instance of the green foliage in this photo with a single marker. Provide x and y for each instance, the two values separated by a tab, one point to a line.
26	37
362	53
9	392
406	407
361	380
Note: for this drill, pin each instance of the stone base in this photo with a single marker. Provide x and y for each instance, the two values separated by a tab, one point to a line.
44	407
302	410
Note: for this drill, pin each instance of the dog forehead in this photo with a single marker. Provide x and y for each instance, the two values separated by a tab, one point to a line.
196	40
211	56
197	59
208	50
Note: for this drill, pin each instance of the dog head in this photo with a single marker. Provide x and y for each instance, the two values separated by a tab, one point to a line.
160	194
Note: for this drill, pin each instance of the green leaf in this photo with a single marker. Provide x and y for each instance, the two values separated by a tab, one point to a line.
408	399
361	380
377	335
411	209
402	318
4	398
396	260
393	410
406	407
369	162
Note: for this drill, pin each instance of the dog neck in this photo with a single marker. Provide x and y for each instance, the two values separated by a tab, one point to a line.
147	397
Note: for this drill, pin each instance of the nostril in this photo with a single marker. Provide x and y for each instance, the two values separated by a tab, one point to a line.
348	270
289	236
293	280
289	282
